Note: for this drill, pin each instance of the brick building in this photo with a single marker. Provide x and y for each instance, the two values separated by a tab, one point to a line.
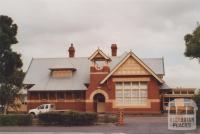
98	83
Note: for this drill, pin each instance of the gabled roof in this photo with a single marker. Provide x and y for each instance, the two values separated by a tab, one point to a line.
99	52
38	73
139	61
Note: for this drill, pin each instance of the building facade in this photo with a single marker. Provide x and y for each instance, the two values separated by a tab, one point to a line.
98	83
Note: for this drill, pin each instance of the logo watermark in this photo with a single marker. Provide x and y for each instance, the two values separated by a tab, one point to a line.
181	122
182	114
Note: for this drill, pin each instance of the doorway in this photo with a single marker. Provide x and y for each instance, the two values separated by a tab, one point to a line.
99	103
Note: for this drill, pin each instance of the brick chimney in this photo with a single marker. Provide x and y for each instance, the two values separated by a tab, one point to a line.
71	51
114	49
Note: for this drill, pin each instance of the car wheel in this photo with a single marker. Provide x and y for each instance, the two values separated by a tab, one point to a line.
33	115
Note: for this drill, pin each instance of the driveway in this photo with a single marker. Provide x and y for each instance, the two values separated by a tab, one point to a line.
133	125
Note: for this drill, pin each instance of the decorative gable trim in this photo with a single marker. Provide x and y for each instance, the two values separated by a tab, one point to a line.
97	54
131	67
139	61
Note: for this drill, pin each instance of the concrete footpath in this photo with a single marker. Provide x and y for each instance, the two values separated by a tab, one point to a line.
134	125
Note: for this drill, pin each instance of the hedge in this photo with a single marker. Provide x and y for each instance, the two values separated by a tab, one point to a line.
70	118
15	120
107	118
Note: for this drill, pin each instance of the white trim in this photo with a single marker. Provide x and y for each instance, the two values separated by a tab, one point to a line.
138	60
101	53
101	92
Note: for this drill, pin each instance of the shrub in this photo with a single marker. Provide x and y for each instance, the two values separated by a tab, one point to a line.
107	118
15	120
70	118
50	118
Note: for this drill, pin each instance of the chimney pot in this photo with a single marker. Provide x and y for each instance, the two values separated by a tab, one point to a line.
71	51
114	49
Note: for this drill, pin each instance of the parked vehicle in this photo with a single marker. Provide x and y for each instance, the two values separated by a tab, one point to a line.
44	108
41	109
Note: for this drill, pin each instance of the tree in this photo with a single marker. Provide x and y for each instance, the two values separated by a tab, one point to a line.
192	42
11	74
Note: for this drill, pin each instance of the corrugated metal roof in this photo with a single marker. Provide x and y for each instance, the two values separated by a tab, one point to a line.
164	86
156	64
39	73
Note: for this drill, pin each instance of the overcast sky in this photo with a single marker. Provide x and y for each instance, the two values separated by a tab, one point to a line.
151	28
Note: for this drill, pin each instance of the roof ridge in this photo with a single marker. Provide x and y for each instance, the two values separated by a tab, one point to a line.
43	58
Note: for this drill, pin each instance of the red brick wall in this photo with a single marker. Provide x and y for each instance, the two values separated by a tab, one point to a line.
95	77
77	106
153	89
61	104
109	88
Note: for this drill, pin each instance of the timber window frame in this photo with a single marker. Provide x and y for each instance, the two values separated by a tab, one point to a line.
43	96
60	95
131	93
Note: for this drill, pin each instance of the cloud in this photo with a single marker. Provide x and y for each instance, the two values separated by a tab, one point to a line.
151	28
187	72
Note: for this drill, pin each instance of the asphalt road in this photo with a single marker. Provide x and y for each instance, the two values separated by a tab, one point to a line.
133	125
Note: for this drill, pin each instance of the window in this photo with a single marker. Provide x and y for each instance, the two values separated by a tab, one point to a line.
52	106
190	92
34	95
46	107
131	93
43	96
177	91
78	95
135	85
61	73
119	85
119	94
127	85
127	96
184	92
41	107
61	95
52	95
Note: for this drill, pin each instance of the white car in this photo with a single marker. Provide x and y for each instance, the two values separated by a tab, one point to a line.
41	109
